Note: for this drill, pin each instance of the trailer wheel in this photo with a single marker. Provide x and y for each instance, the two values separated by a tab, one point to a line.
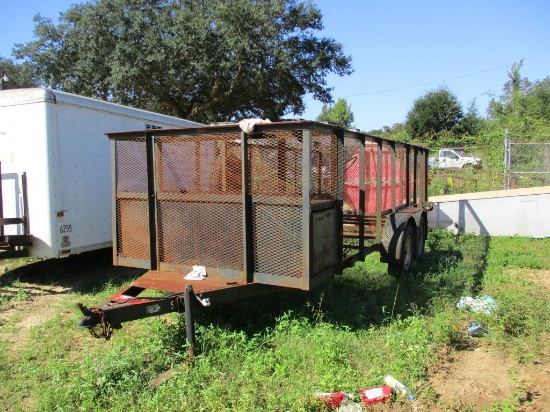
400	263
420	238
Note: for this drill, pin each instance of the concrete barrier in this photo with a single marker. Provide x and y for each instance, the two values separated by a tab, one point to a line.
522	212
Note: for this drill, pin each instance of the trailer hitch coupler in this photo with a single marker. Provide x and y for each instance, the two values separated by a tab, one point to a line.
90	318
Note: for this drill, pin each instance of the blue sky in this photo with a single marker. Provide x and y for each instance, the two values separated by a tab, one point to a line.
400	49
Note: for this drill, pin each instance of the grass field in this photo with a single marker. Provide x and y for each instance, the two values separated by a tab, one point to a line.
274	353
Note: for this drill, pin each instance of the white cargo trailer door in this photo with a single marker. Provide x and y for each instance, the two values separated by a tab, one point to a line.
23	150
11	201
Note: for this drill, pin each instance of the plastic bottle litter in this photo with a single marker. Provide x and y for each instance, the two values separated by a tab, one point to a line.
398	387
476	329
334	398
350	407
375	395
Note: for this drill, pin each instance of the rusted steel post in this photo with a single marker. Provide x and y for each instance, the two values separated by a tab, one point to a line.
152	200
362	195
189	319
379	186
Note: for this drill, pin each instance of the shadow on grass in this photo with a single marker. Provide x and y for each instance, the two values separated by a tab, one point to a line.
367	295
86	272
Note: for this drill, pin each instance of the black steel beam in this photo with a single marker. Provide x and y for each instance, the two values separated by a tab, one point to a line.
152	201
137	308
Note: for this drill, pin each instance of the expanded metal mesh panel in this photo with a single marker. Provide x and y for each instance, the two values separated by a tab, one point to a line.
378	189
275	164
400	176
351	175
199	203
277	240
131	166
412	176
372	200
324	167
422	177
199	233
275	187
132	227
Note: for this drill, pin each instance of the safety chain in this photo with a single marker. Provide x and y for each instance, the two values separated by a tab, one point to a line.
106	328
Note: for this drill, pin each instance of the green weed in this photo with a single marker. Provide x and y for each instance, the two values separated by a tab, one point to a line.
273	353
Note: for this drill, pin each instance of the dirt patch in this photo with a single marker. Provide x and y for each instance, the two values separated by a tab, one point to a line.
538	277
472	377
477	378
35	305
481	375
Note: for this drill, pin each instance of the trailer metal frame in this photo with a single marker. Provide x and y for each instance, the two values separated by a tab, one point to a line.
282	207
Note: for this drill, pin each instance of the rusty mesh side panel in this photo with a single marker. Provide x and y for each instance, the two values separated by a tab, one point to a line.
275	187
199	200
373	202
352	148
324	168
421	177
412	183
400	176
132	229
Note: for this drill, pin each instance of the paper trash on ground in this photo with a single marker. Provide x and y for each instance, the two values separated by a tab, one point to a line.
485	304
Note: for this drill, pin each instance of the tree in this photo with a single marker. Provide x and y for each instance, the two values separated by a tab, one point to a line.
437	112
340	113
524	107
513	89
540	100
19	75
471	123
204	60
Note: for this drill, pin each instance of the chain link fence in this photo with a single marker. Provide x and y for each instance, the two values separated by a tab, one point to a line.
515	164
526	164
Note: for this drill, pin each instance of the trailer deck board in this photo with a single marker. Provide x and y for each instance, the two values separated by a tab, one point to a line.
174	282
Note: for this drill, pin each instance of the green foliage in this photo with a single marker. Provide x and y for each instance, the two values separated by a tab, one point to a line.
468	180
19	75
524	108
472	122
437	112
273	353
340	114
201	60
521	113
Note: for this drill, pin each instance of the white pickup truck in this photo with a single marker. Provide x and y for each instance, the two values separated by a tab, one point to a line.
452	158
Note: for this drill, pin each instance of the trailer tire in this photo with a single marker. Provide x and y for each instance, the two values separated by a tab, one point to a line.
420	238
400	262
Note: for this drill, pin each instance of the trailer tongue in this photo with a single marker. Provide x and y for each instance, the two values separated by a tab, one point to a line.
182	296
308	200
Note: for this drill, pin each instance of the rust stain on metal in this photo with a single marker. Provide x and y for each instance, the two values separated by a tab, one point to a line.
173	282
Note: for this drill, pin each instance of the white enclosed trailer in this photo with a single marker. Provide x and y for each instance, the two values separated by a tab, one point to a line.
53	144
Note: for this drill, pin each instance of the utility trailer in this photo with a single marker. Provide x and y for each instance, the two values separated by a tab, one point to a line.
309	200
55	168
